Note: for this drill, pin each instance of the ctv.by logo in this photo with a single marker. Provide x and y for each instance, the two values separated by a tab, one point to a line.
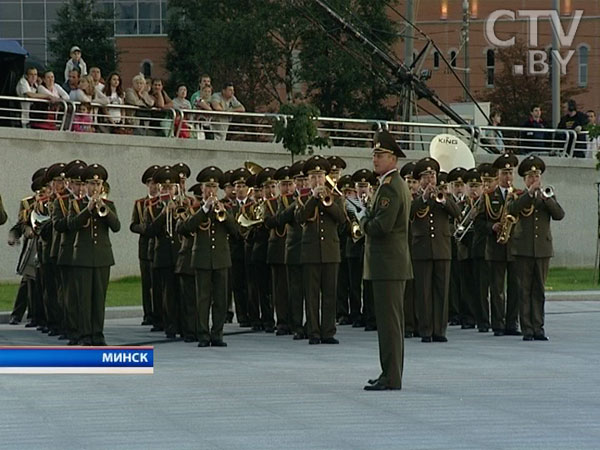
537	60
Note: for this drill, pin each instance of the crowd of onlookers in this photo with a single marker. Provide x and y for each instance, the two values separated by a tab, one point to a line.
100	108
101	103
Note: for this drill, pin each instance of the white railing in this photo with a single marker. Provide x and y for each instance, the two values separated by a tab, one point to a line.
258	127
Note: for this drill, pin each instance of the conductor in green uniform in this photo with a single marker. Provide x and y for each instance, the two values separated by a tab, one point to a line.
387	259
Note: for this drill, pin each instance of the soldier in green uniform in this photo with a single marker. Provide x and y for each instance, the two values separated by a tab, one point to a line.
39	186
138	226
228	200
293	250
92	218
65	241
504	308
239	269
211	257
411	323
431	215
276	249
387	259
320	216
349	303
160	223
535	207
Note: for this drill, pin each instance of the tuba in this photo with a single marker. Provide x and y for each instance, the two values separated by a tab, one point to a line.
253	168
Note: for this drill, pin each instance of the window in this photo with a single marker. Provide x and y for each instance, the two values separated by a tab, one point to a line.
583	65
147	68
491	67
436	60
453	58
140	16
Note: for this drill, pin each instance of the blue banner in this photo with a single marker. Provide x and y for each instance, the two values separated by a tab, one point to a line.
77	357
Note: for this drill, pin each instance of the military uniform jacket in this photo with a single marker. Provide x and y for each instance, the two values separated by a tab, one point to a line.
237	243
431	228
385	225
277	230
184	257
92	247
65	239
166	247
45	233
260	243
531	235
293	240
138	226
493	207
464	246
23	220
320	240
210	250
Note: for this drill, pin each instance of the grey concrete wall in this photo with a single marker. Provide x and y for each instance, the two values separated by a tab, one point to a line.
126	157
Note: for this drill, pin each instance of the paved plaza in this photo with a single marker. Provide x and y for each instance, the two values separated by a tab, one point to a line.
265	392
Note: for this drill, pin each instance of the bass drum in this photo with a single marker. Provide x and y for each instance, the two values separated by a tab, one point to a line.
451	152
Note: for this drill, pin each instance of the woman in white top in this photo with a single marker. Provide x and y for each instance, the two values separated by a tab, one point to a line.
86	93
43	116
113	90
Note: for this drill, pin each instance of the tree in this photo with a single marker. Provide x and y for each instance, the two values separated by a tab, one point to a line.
513	95
81	23
268	48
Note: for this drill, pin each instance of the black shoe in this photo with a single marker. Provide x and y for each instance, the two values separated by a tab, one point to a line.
99	343
483	329
408	335
189	339
171	336
13	321
40	327
528	337
330	340
454	322
426	339
416	334
358	324
370	328
282	332
229	317
498	333
30	325
53	333
245	325
86	342
63	337
218	343
373	381
156	328
203	343
540	337
314	341
344	321
257	328
299	336
440	339
269	329
467	326
512	332
146	322
73	342
379	387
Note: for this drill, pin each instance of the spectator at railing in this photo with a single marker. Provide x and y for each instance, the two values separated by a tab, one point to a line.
180	101
139	96
203	102
574	120
202	83
533	138
593	144
492	139
27	87
224	101
97	78
86	93
45	113
83	121
161	101
76	62
73	81
113	90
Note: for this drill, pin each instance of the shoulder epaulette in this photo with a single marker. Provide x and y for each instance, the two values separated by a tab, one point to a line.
387	179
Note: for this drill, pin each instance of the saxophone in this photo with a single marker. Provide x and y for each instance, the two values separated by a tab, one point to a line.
507	221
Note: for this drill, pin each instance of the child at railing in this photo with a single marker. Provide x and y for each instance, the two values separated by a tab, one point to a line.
83	121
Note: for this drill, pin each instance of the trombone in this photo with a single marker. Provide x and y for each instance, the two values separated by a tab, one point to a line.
468	220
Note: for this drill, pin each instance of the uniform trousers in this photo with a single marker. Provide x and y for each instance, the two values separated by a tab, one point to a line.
93	283
21	300
344	291
281	298
211	296
239	283
505	309
532	273
260	306
469	288
320	292
355	272
296	294
168	296
188	314
146	276
411	324
50	296
432	278
157	299
388	298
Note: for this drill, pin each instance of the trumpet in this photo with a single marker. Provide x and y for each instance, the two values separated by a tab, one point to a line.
547	192
101	206
219	209
181	210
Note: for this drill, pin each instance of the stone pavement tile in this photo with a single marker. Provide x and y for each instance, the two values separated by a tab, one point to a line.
267	392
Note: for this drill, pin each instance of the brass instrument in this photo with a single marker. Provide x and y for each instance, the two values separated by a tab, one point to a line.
468	219
37	220
219	209
547	192
252	214
507	221
252	167
331	186
181	210
101	206
356	232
